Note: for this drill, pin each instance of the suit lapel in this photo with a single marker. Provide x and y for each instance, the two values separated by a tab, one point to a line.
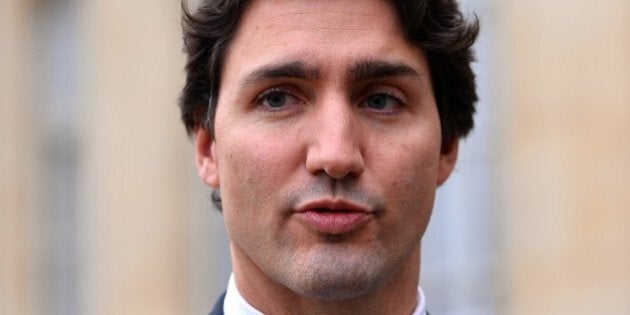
218	306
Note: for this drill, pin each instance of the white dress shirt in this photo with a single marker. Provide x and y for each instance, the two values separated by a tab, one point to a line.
235	304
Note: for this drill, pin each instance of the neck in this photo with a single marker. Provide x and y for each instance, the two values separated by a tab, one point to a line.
397	295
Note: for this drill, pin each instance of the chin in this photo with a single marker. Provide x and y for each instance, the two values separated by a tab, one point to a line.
337	276
337	290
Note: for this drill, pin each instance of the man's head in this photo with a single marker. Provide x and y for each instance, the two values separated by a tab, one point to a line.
328	126
435	26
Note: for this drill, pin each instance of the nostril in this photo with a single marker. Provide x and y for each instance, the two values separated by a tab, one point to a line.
335	166
336	149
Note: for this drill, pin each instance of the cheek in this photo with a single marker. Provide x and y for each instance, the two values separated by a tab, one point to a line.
409	166
254	172
409	178
253	162
251	167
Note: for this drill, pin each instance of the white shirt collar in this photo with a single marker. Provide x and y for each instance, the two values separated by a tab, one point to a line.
235	304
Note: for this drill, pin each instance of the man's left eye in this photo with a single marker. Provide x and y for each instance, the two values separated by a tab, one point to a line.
382	102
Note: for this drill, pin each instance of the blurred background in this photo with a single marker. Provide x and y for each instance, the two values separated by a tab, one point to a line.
101	210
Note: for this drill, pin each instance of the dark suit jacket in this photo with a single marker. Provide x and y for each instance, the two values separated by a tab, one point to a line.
218	306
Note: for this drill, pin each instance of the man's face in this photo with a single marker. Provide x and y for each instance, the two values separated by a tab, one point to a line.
327	146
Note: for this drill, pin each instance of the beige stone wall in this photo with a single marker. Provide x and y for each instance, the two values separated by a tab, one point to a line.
17	266
565	102
132	200
132	232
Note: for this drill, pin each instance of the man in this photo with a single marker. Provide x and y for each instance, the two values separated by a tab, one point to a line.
327	126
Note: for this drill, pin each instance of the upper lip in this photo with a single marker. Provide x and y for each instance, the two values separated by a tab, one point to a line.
331	205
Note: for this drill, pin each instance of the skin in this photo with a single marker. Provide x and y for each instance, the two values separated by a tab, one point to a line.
298	122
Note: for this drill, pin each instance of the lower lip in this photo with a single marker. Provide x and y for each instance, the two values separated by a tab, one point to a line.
334	222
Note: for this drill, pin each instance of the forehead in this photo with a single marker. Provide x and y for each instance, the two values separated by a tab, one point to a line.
322	17
328	34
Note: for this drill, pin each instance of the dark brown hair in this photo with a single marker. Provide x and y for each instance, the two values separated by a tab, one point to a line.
436	26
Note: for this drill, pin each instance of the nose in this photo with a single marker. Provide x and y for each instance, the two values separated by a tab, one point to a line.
336	148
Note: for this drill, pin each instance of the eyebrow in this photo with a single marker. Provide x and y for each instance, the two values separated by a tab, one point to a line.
373	69
294	69
361	71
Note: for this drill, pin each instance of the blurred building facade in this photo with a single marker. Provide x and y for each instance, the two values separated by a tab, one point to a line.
101	211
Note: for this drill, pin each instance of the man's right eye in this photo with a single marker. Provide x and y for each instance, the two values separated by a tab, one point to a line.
277	99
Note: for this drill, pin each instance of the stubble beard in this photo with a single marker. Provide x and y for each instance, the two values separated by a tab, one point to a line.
335	271
335	267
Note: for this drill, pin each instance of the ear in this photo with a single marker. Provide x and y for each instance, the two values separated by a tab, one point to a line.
448	158
206	159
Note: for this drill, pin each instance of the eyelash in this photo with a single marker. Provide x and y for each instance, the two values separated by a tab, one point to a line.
277	90
388	94
273	91
399	100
